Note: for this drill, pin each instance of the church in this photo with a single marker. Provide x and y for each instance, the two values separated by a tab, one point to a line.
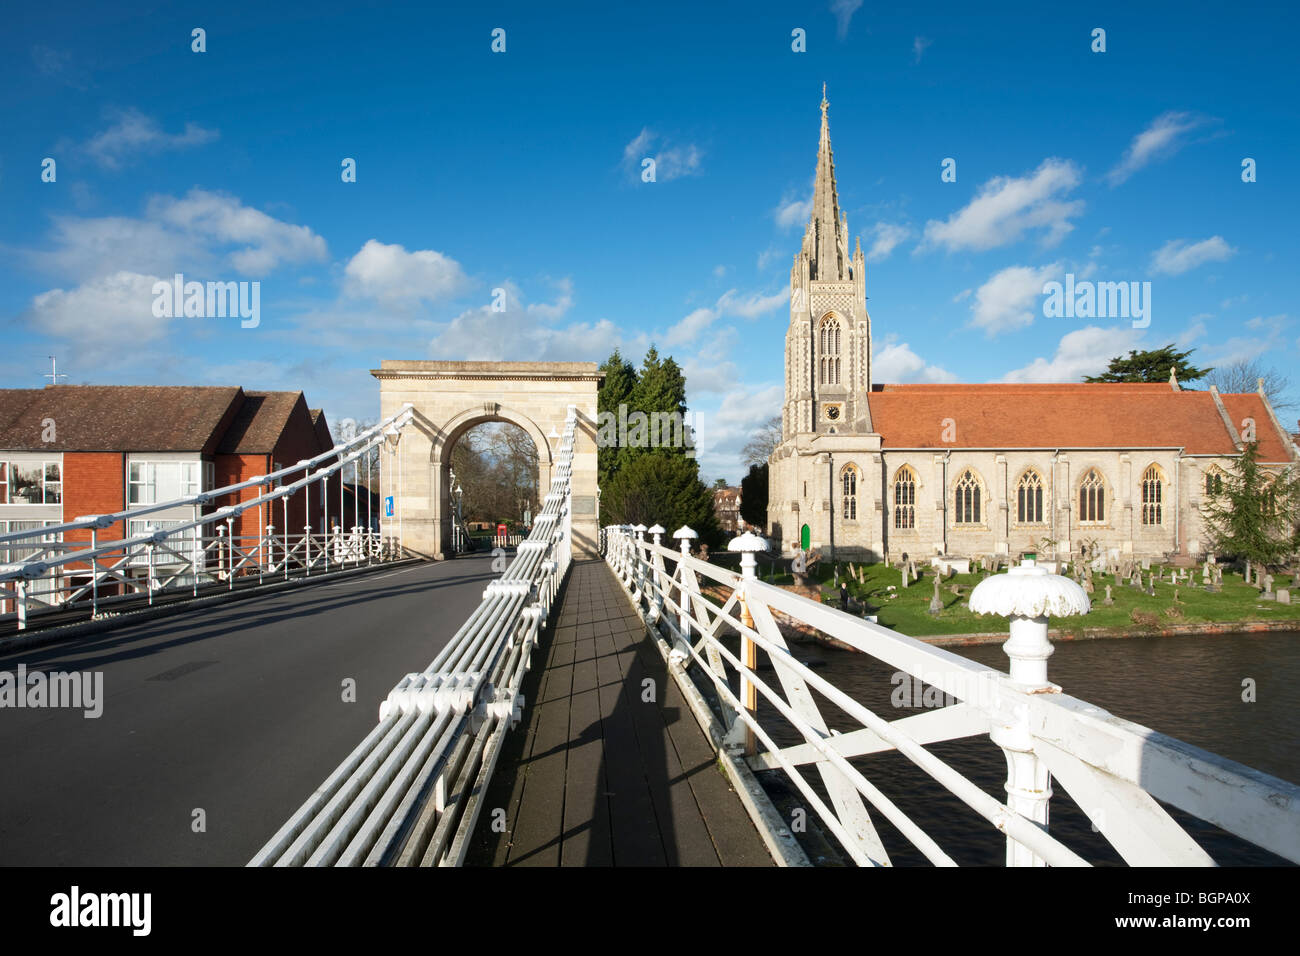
871	471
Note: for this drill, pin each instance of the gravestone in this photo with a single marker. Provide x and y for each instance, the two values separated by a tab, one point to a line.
1109	600
1283	596
1151	585
1268	594
936	603
1216	579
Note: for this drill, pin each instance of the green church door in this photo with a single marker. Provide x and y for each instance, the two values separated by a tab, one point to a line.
805	537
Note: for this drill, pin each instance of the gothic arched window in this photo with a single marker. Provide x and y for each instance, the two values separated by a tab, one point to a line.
1153	496
1029	498
905	498
849	492
828	343
1213	483
967	498
1092	498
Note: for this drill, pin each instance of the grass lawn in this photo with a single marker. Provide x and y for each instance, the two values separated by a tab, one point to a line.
907	610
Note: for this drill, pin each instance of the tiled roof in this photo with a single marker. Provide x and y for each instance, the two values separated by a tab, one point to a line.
116	417
1081	415
1272	446
260	423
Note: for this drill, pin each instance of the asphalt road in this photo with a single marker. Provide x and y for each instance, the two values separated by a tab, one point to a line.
237	711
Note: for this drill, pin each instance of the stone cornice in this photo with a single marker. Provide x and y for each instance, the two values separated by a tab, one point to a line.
391	369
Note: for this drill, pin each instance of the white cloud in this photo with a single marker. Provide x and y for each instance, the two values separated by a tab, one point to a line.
886	237
1270	334
919	46
1010	298
1194	331
722	430
1163	138
896	363
267	242
793	212
560	307
671	160
1085	351
1007	207
192	234
390	274
689	328
116	308
767	256
844	10
751	306
524	333
1178	255
132	134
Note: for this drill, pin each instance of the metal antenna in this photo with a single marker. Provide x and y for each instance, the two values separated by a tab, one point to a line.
54	374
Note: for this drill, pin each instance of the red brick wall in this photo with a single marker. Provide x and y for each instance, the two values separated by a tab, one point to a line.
92	485
232	469
297	442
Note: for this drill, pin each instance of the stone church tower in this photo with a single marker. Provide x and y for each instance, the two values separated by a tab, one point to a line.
828	344
827	363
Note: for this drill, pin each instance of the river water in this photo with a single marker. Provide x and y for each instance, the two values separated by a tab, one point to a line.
1188	687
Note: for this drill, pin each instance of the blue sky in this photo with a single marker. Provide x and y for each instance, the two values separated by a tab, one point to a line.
522	171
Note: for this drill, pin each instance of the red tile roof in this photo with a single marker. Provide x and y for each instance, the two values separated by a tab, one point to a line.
116	417
1272	445
1068	415
260	423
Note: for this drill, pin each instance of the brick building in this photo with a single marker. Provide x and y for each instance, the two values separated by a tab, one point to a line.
726	507
67	451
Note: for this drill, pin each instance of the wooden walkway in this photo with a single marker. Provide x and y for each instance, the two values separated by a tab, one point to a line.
595	775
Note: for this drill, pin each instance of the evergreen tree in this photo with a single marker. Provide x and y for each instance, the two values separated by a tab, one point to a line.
753	496
657	488
1254	518
615	390
666	476
1151	366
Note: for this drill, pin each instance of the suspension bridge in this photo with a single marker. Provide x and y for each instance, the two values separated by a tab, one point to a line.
587	702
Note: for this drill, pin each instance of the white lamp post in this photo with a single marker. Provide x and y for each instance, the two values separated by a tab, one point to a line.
748	544
1028	595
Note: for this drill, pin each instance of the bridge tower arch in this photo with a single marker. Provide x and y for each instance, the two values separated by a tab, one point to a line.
448	399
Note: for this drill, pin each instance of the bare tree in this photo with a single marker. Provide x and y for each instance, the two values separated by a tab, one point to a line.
764	441
1244	376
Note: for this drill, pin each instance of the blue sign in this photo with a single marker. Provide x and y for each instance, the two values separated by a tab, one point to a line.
388	507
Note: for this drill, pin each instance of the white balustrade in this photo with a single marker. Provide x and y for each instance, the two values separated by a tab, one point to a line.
1117	772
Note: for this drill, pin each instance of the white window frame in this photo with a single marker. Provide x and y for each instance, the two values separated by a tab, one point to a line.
45	483
188	484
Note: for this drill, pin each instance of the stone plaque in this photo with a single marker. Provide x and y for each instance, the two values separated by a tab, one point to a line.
584	504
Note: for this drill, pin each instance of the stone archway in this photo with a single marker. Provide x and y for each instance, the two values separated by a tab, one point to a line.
449	398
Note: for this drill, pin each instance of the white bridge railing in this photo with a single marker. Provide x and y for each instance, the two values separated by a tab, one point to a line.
1116	771
45	573
409	794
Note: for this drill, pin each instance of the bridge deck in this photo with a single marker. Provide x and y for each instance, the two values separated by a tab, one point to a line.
598	777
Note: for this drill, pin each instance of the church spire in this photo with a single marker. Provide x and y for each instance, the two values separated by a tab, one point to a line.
825	237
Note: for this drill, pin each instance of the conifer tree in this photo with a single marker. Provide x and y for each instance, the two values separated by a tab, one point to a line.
1254	517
